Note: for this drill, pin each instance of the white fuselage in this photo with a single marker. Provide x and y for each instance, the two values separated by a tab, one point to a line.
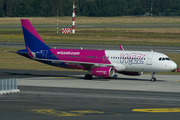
140	61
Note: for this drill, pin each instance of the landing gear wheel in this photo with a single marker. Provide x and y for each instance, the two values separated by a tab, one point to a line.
88	77
153	79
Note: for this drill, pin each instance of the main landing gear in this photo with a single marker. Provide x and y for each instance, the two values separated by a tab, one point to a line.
153	79
88	77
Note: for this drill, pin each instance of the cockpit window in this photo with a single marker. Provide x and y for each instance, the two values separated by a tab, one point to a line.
162	59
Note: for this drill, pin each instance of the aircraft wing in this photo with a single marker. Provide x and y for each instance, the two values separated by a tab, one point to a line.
84	64
87	65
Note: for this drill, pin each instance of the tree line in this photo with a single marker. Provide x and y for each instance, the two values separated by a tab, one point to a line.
100	8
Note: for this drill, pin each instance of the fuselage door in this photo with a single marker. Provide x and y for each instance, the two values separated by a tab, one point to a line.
149	59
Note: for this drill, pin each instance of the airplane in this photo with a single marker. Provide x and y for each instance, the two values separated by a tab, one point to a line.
100	63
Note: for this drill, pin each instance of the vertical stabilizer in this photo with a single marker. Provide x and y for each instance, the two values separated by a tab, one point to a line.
31	37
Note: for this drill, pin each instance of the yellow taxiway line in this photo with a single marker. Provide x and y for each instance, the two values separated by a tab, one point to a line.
65	113
157	110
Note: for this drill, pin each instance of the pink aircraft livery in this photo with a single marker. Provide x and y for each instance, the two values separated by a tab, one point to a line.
100	63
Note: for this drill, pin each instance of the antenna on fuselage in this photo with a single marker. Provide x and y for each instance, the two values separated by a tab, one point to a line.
151	50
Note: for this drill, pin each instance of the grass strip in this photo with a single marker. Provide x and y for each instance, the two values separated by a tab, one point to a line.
80	20
131	36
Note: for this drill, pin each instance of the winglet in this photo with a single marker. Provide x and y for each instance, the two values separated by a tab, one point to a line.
121	47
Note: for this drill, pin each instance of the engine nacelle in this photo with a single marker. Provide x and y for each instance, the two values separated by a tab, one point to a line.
131	73
106	72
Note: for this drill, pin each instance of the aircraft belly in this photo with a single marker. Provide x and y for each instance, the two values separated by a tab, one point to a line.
135	67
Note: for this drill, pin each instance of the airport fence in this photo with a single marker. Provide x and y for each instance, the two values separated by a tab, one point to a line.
8	86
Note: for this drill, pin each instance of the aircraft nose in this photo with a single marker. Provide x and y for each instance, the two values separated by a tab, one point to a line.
173	65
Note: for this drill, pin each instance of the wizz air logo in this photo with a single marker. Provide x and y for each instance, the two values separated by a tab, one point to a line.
132	58
68	53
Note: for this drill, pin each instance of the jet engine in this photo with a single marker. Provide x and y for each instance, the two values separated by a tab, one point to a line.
131	73
106	72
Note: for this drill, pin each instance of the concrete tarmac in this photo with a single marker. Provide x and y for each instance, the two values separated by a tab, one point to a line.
66	95
23	73
164	83
79	104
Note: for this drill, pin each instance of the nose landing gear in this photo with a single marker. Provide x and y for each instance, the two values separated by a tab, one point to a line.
153	79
